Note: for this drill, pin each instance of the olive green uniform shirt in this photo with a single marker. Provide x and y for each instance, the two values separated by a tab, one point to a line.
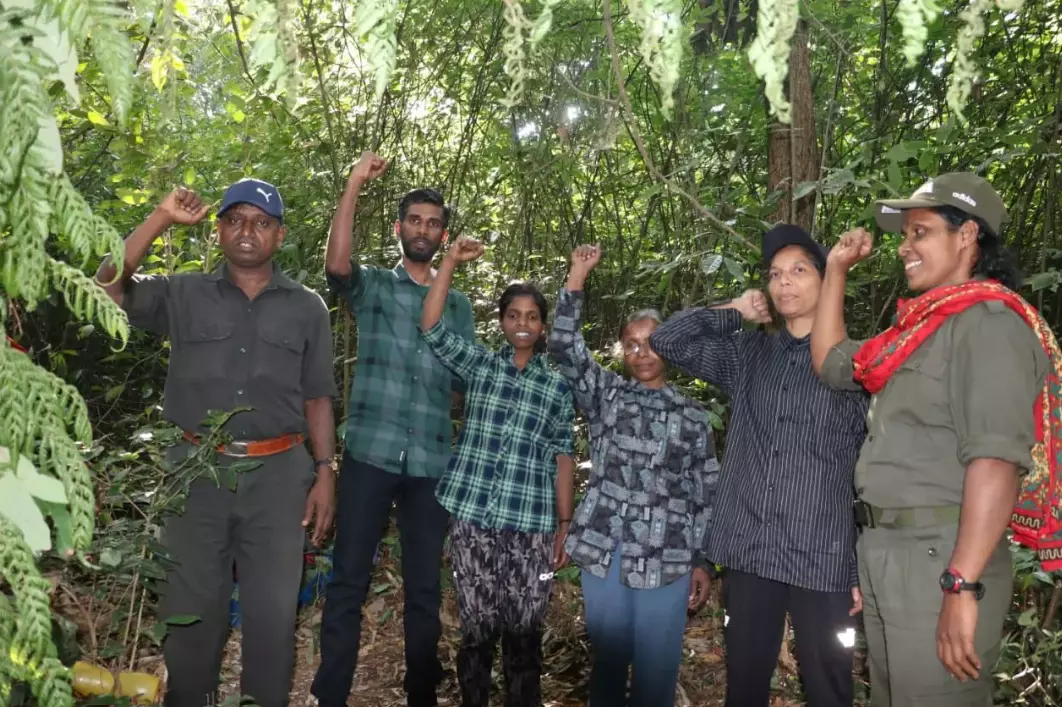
270	354
966	393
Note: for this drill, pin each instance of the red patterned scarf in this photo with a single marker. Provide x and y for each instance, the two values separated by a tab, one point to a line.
1037	516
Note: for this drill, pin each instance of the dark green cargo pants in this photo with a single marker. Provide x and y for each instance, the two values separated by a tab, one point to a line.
257	527
899	570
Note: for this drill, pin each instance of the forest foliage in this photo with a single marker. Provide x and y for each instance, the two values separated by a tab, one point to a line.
671	132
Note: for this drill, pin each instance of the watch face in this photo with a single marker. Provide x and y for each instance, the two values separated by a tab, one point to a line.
948	582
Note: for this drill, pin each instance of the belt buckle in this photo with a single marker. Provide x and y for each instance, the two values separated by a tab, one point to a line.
864	518
231	449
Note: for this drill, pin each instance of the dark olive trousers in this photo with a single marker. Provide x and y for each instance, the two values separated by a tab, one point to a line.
257	528
899	572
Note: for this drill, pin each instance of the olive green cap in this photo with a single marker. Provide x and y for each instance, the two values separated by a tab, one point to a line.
964	190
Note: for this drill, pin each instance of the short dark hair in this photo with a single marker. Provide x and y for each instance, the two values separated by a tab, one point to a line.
994	260
423	196
522	289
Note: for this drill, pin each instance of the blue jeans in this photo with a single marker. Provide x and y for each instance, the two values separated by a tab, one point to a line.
639	629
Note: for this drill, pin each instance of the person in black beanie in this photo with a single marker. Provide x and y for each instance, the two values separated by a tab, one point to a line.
783	528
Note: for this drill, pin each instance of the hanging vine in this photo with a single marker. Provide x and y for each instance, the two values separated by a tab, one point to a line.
375	23
662	38
914	17
776	23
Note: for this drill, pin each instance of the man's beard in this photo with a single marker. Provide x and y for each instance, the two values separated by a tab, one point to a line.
419	250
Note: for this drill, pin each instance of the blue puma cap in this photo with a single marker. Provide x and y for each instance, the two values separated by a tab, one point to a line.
256	193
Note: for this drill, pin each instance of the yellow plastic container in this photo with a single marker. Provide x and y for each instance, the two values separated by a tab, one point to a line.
93	681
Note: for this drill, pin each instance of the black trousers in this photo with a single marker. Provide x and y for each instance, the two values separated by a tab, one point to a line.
755	623
364	501
258	528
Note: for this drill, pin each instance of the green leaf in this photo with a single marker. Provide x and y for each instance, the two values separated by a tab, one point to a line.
110	557
64	527
238	115
735	269
16	504
97	118
182	620
1043	280
803	189
189	177
46	488
895	176
1027	618
711	263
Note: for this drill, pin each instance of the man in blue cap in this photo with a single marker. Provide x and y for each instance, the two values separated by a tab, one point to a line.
244	336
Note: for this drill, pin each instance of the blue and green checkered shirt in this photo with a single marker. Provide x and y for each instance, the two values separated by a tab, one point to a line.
399	415
504	471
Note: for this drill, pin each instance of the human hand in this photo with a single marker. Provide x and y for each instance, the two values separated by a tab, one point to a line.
955	636
368	167
320	506
465	249
183	206
560	555
585	258
853	247
857	601
700	585
752	306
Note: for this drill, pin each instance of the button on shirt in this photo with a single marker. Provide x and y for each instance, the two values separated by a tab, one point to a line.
653	470
270	354
399	415
784	508
503	474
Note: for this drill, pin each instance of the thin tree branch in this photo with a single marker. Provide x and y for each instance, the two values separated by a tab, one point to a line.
632	128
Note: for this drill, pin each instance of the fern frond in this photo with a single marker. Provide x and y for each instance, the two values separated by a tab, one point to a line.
112	49
60	456
87	300
87	234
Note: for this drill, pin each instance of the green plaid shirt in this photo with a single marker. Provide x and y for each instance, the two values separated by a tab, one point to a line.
503	473
399	415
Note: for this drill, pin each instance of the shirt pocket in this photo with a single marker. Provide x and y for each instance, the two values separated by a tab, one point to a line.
205	344
279	359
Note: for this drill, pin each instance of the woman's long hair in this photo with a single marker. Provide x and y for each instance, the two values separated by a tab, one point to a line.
994	260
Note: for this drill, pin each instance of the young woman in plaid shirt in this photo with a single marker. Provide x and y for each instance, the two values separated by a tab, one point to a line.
508	486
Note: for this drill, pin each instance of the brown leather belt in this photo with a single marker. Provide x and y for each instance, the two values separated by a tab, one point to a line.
258	448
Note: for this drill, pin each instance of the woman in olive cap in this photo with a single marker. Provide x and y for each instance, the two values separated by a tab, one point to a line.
958	416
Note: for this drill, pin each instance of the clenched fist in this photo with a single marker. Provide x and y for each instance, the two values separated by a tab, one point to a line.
853	247
465	249
752	306
368	167
586	257
183	206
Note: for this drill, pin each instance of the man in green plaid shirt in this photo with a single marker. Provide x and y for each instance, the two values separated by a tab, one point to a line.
398	440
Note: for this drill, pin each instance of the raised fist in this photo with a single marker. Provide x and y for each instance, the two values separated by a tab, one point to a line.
853	247
586	257
465	249
368	167
752	306
183	206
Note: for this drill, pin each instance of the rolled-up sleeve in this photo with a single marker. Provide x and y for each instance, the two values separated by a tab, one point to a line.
145	299
318	373
564	430
354	286
838	368
997	370
704	343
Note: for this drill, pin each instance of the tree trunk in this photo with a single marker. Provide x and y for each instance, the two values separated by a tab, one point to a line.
794	149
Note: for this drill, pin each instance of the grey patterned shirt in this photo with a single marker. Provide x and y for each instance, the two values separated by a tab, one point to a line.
653	468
